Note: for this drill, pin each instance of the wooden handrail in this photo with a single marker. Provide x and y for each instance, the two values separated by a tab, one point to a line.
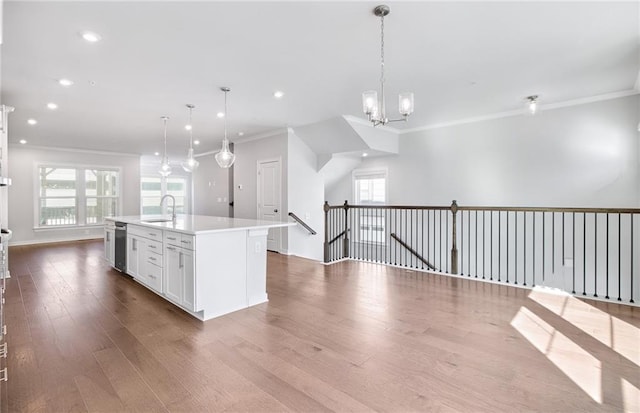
412	251
301	222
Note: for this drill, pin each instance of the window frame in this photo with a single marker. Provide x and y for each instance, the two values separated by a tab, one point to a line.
80	197
370	219
149	169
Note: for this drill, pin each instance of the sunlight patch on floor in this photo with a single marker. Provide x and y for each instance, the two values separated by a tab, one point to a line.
630	396
616	334
580	366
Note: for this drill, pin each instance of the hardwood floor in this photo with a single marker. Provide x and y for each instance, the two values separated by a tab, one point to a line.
347	337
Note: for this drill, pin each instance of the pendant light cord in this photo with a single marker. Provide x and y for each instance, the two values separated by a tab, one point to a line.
165	136
225	115
382	79
190	129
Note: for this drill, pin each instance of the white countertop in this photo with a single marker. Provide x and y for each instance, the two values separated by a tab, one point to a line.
200	224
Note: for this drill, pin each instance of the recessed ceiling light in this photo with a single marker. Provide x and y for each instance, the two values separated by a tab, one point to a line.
196	142
156	153
32	121
220	114
278	94
52	106
240	133
65	82
364	154
188	127
23	141
91	37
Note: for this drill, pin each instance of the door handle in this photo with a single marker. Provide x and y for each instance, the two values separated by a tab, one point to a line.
275	210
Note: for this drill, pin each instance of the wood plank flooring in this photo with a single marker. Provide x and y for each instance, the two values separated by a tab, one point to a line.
347	337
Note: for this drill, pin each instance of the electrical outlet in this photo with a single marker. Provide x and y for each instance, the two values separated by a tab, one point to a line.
258	247
219	199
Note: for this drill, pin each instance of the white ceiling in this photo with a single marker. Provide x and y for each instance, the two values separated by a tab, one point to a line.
460	59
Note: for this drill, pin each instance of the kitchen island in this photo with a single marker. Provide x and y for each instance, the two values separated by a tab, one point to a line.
209	266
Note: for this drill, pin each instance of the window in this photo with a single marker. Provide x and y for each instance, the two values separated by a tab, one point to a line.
370	188
153	188
72	196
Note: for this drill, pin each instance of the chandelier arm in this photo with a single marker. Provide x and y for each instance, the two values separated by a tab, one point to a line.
403	119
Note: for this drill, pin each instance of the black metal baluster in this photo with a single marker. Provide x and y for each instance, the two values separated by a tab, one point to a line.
491	247
469	245
422	247
500	244
584	253
429	235
446	247
524	249
553	243
573	241
533	243
607	260
595	254
484	256
543	244
404	236
461	242
516	249
619	255
476	244
631	290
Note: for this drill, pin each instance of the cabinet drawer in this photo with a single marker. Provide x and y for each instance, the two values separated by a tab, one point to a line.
154	277
179	240
172	238
154	247
154	259
146	232
188	241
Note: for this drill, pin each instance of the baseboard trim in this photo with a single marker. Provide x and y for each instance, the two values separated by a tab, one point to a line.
52	240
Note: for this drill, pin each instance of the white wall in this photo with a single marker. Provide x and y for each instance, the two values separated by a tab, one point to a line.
248	153
22	192
306	197
210	188
580	156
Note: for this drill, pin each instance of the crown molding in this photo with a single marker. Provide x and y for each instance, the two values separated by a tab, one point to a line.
75	150
365	122
549	106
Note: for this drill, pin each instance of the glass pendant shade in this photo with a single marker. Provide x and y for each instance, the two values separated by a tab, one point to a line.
405	103
190	164
370	102
165	168
225	157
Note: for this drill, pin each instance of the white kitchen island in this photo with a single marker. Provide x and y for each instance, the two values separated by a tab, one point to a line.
208	266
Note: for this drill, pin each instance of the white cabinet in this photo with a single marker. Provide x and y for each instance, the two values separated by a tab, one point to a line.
110	245
135	255
144	256
179	264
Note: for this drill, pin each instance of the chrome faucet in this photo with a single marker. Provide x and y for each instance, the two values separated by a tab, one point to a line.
173	209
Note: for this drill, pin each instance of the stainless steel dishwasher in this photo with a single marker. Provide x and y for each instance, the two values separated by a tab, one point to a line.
121	247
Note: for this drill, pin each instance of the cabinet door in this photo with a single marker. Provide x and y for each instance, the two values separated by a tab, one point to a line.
189	281
172	274
133	256
110	246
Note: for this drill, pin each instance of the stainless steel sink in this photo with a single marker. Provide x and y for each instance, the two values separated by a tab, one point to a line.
154	221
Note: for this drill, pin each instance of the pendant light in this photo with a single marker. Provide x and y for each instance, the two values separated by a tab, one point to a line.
374	109
190	164
165	168
225	157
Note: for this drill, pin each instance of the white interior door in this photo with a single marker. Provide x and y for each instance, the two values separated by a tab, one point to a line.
269	207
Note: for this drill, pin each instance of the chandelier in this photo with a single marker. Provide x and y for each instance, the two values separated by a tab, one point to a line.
225	157
374	109
190	164
165	168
